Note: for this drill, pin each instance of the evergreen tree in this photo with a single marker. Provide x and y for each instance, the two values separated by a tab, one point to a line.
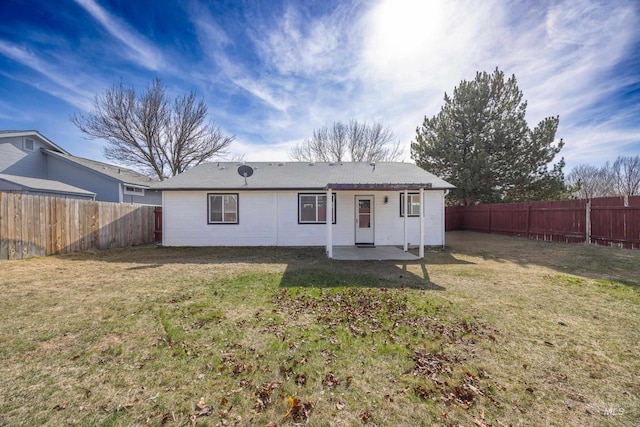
481	143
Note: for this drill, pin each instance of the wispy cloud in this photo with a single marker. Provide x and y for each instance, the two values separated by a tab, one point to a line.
272	74
140	50
319	47
211	36
64	88
600	143
213	41
561	54
579	44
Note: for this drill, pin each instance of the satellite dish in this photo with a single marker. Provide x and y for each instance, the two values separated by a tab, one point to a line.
246	171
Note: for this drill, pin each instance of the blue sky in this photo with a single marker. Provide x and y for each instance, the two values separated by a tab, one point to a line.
272	71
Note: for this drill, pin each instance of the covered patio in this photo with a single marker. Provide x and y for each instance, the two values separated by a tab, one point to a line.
383	252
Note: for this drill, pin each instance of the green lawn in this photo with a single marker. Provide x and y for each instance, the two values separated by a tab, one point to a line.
492	331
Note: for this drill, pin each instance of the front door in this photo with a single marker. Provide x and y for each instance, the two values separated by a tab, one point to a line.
364	220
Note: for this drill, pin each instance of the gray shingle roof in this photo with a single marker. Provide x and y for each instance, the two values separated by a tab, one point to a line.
44	185
8	133
118	173
303	175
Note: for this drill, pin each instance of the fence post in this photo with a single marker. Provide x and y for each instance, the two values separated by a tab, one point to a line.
489	219
588	223
158	224
528	217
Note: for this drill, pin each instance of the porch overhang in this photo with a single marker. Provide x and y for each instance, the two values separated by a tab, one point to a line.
379	187
404	187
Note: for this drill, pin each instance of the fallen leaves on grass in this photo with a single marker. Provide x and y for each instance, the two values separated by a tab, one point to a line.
363	311
446	384
330	380
301	379
201	408
298	411
263	395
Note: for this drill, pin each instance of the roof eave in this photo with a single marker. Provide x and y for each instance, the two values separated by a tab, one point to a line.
37	134
237	188
333	187
109	177
380	186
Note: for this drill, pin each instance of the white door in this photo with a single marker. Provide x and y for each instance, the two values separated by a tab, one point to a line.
364	220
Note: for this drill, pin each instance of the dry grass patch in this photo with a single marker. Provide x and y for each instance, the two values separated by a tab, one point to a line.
493	331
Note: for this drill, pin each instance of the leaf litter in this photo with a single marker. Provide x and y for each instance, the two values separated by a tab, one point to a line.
381	312
369	315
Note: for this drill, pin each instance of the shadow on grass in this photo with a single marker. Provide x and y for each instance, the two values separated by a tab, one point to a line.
392	276
368	274
307	266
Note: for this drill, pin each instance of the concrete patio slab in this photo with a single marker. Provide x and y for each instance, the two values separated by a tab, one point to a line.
375	253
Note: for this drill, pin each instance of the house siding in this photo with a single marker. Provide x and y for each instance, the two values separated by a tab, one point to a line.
270	218
151	197
106	190
14	160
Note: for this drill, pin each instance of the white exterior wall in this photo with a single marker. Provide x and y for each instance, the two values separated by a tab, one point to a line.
270	218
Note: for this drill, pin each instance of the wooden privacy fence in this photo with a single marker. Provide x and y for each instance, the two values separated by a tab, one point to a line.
36	226
610	221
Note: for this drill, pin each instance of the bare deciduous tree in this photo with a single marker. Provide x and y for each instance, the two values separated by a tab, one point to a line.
622	178
352	142
591	181
150	133
626	172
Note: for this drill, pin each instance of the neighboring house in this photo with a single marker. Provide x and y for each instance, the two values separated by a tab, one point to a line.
32	164
42	187
286	204
110	183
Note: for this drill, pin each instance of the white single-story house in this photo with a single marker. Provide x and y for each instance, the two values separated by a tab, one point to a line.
286	204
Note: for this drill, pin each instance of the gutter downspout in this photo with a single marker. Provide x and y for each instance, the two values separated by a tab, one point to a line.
444	194
164	219
406	205
422	207
329	219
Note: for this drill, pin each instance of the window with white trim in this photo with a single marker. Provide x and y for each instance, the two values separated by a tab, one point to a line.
312	208
28	144
413	204
133	191
222	208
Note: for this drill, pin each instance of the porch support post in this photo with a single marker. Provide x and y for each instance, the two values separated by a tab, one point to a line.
405	209
421	250
329	219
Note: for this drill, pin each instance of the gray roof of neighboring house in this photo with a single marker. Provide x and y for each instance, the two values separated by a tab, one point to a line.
305	175
44	185
10	133
116	173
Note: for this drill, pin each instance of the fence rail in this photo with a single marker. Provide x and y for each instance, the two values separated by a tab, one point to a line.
609	221
33	226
